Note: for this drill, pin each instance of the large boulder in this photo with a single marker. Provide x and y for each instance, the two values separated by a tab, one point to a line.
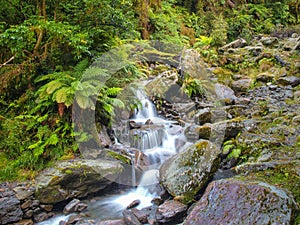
232	201
186	173
78	178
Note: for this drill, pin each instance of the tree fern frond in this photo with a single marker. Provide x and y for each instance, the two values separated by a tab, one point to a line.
113	91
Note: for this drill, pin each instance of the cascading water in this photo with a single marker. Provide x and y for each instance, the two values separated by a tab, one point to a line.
154	137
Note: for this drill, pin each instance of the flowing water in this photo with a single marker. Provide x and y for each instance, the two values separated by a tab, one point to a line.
157	141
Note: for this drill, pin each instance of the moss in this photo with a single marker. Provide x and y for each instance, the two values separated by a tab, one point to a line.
283	176
119	157
68	171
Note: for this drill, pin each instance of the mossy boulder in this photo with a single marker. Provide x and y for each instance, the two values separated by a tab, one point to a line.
186	173
242	202
78	178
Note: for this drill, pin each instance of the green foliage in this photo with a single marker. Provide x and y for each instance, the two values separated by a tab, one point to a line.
219	32
194	87
29	141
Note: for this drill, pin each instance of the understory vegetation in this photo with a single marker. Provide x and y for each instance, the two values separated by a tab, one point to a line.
47	46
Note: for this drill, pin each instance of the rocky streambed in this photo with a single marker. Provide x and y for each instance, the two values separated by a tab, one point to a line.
241	166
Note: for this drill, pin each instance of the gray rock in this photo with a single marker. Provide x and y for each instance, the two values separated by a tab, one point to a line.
130	218
75	179
184	174
23	192
203	116
241	85
255	50
142	215
111	222
74	206
24	222
242	202
269	41
292	44
10	210
239	43
171	212
224	93
133	204
42	216
291	80
265	77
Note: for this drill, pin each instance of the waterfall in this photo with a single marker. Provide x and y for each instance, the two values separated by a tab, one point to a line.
153	137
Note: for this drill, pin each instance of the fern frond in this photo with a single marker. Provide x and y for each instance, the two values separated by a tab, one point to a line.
113	91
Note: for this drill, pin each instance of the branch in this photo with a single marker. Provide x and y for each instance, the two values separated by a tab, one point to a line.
230	3
12	58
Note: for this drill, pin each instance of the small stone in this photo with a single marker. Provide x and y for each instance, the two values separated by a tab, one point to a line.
28	214
171	211
157	201
111	222
70	207
291	80
133	204
241	85
47	208
22	192
41	217
265	77
26	204
24	222
142	215
35	203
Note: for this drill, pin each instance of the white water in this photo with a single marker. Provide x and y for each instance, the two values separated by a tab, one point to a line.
157	148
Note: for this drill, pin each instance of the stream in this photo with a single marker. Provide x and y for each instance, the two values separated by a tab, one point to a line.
156	138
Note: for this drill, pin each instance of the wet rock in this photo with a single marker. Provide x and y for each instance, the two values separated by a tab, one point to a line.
157	201
171	212
133	204
10	210
224	93
236	201
141	215
78	178
291	80
74	206
130	218
39	217
134	125
186	173
241	85
141	160
111	222
192	133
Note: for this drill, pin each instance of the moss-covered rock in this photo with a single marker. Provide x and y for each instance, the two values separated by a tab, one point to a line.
69	179
186	173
